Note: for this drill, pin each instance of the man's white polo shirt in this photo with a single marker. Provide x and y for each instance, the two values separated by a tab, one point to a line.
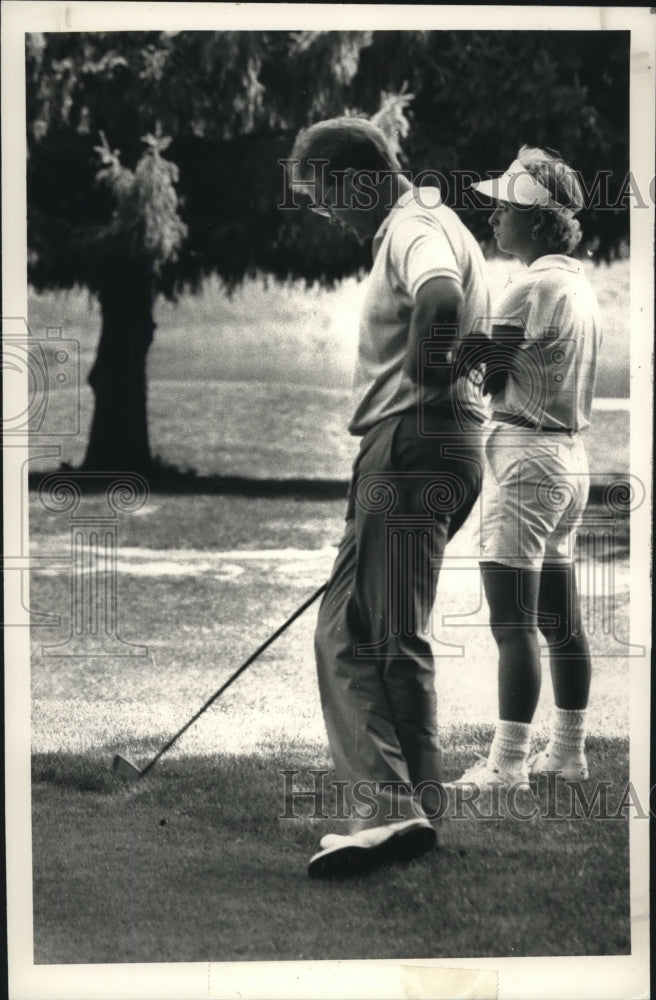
420	239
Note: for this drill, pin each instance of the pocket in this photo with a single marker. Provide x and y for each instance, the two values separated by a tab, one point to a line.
503	459
405	445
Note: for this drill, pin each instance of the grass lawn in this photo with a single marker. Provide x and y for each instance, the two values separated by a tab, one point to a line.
258	384
283	431
195	864
200	618
267	333
223	878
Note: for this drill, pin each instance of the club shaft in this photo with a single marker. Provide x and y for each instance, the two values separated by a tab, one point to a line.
233	677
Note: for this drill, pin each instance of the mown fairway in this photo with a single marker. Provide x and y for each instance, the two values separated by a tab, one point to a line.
258	385
195	863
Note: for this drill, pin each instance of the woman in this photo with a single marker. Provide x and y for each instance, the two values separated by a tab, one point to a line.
541	376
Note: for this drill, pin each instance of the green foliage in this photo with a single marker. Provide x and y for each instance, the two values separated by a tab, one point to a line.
479	95
392	118
145	221
231	103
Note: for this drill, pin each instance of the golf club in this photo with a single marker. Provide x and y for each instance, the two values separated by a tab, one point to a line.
124	768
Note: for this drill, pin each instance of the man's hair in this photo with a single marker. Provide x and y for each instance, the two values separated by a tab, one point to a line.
345	142
562	232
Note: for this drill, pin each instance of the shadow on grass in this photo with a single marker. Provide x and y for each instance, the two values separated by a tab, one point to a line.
605	524
613	495
167	480
75	773
205	839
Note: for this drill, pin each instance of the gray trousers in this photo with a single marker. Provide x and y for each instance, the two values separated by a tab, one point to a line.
408	496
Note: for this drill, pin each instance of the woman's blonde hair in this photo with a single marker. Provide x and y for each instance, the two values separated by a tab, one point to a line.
561	231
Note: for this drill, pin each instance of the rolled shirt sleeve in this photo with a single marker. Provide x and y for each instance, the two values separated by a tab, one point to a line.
414	244
420	251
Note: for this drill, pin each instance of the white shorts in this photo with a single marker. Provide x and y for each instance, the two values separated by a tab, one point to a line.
535	489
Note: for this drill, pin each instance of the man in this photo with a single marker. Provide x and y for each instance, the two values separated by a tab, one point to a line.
414	482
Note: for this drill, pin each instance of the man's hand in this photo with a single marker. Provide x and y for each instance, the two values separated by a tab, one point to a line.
498	354
509	336
438	302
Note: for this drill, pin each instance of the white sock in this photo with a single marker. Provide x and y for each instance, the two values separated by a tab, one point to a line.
510	745
567	734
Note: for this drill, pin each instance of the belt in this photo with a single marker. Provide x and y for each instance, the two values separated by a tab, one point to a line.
517	421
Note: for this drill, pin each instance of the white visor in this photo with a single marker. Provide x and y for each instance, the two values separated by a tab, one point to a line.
518	187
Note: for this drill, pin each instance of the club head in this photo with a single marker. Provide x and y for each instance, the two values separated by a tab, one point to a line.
124	768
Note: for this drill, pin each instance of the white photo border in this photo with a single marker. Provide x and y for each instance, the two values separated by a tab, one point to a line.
603	977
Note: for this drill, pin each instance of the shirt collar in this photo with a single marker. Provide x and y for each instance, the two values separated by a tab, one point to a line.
555	260
406	198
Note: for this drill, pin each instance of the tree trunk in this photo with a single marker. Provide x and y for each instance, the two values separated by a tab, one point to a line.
119	432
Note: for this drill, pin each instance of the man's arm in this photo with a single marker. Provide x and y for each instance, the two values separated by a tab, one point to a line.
497	353
438	301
